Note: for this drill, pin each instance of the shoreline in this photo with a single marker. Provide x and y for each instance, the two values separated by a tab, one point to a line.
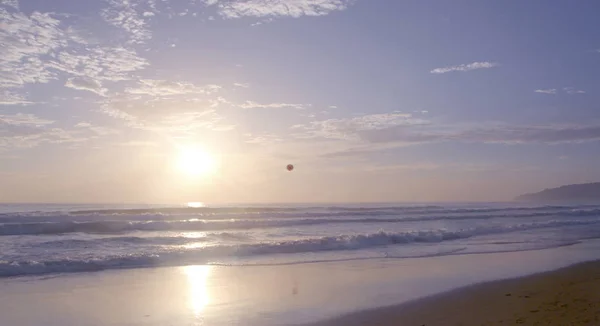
391	260
565	296
340	293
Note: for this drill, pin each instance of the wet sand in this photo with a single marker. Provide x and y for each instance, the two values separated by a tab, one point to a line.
276	295
569	296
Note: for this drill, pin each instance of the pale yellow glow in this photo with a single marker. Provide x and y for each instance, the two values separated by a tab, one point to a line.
198	284
195	162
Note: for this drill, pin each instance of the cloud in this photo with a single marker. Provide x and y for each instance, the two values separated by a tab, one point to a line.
23	119
369	141
39	46
265	138
546	91
425	166
241	85
375	132
572	90
10	3
100	63
277	8
28	137
493	134
127	15
153	87
98	130
568	90
175	115
465	67
254	105
83	125
134	143
86	84
176	108
27	130
24	40
11	98
349	128
215	102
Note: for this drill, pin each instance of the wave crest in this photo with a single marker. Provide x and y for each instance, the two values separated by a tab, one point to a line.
203	255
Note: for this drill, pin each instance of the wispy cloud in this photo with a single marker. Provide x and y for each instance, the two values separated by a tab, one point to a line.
546	91
86	84
493	134
254	105
66	50
136	143
28	137
39	47
24	40
465	67
10	3
573	90
153	87
265	138
11	98
382	131
128	16
173	115
24	119
349	128
277	8
27	130
568	90
371	141
168	107
98	130
100	63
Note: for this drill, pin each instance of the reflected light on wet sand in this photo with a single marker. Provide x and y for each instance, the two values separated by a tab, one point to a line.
197	277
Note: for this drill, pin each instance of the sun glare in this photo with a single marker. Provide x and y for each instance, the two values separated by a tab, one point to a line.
198	286
196	162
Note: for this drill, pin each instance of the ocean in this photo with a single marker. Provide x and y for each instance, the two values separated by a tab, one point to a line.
38	239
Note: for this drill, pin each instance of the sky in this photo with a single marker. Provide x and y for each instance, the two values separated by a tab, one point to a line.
371	100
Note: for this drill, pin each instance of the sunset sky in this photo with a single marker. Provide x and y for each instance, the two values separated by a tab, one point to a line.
371	100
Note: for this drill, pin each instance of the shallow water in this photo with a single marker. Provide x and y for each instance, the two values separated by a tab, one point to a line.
259	295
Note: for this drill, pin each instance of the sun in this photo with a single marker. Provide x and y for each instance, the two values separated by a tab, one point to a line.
196	162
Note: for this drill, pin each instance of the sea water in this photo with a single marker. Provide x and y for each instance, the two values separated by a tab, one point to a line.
47	239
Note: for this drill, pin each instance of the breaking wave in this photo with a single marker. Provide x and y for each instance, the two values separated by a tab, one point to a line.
207	254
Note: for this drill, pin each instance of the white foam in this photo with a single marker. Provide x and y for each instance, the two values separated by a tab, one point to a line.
167	256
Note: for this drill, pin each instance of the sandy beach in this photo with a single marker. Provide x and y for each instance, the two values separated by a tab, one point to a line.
569	296
304	294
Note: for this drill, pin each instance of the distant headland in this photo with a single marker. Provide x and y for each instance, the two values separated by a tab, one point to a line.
577	193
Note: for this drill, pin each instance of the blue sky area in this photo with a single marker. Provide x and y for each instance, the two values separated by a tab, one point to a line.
371	100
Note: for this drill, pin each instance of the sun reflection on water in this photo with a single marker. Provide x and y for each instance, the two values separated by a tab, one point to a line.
198	281
196	204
